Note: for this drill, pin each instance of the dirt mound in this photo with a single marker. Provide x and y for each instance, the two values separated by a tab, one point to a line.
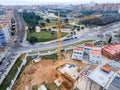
30	71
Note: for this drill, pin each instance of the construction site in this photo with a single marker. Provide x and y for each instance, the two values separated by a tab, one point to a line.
74	69
54	74
63	73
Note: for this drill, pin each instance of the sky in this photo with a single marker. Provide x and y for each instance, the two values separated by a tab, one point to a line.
29	2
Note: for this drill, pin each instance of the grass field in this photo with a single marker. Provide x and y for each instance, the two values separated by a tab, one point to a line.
68	26
44	36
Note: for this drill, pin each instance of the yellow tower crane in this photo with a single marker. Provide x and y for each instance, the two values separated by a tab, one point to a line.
58	26
59	37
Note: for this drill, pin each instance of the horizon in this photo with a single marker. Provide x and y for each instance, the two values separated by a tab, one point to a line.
65	2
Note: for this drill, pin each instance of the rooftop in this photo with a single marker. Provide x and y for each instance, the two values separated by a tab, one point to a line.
89	45
116	82
101	77
78	48
113	49
106	68
97	52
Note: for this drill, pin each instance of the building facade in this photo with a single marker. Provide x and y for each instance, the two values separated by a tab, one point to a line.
95	56
78	53
87	52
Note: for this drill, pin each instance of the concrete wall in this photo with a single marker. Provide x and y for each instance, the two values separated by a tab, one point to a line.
17	73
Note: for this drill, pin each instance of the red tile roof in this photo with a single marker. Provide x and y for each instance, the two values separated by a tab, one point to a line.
106	68
113	49
97	52
89	45
78	48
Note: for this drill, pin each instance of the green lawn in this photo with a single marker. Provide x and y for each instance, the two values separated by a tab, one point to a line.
6	82
117	36
52	56
100	42
68	26
44	36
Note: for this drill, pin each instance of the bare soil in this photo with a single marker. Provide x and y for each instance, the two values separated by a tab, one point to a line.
43	72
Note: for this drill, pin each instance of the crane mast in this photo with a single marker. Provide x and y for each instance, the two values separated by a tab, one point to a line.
59	37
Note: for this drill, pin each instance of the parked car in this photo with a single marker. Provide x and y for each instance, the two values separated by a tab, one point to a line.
0	62
1	72
7	64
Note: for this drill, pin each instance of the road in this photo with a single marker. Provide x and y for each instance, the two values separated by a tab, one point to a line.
85	35
12	46
20	33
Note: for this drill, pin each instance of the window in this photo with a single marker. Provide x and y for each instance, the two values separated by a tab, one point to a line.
98	56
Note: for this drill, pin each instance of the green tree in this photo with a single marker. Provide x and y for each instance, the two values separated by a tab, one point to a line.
78	29
48	20
53	33
33	40
66	21
42	24
74	33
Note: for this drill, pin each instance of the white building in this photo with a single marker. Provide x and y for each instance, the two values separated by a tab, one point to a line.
37	29
95	56
78	53
88	47
88	52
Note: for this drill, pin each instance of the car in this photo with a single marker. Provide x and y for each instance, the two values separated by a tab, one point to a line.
15	41
71	38
1	72
21	40
7	64
5	67
9	61
0	62
66	39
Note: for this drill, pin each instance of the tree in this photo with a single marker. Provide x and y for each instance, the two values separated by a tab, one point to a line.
66	21
82	28
49	29
12	33
48	20
31	29
33	40
74	33
78	29
53	32
74	27
110	39
42	24
71	33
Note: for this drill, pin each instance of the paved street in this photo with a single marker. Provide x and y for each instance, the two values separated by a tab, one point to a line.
12	46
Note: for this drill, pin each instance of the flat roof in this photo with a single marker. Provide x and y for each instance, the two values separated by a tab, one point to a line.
100	77
115	64
113	49
116	82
